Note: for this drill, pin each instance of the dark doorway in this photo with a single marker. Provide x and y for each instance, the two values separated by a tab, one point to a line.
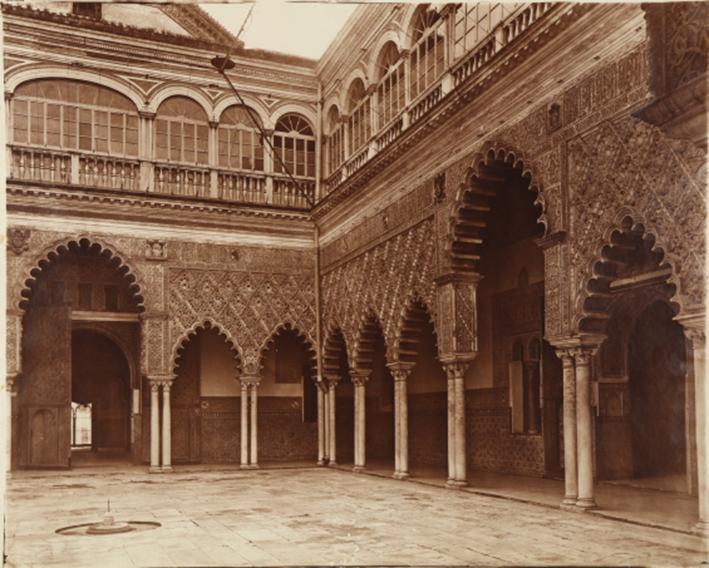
656	365
101	382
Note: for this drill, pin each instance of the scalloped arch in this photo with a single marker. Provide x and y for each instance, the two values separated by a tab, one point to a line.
61	246
29	73
368	318
303	335
636	221
191	331
505	152
405	317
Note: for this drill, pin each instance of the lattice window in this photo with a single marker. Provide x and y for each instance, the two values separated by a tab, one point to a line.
240	144
390	90
74	115
428	54
181	132
474	22
360	120
294	142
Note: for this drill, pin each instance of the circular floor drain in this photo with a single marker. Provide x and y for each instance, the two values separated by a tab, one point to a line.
103	529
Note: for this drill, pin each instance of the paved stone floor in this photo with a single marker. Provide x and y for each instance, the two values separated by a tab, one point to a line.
310	516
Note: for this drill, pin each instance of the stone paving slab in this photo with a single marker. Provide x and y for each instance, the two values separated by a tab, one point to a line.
311	516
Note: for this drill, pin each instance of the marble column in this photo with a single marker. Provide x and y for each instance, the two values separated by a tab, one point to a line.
253	461
154	425
570	473
457	459
325	389
401	408
531	372
359	380
321	424
166	427
584	432
696	335
244	434
11	391
331	421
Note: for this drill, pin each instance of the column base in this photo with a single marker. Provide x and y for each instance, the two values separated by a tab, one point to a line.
702	529
401	475
358	468
586	504
155	469
166	469
249	466
456	483
332	463
570	500
322	462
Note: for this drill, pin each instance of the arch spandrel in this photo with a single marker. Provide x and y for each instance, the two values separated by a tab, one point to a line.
192	331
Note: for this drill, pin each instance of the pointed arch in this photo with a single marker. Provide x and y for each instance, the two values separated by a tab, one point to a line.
491	170
190	332
627	243
62	246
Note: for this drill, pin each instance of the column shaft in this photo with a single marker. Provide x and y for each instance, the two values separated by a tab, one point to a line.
332	418
166	427
254	425
326	421
356	427
154	427
461	473
10	389
397	427
244	438
321	427
451	428
701	405
402	424
570	472
584	434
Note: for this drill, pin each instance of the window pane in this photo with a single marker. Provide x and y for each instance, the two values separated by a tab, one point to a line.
101	131
202	144
175	140
117	132
131	135
53	125
161	139
36	122
19	121
85	129
189	142
70	127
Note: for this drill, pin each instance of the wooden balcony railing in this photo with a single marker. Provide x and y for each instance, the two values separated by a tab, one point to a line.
38	164
241	187
185	181
109	173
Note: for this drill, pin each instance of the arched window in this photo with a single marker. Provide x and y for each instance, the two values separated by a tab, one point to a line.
181	131
240	144
294	142
428	52
474	22
390	90
335	140
359	121
74	115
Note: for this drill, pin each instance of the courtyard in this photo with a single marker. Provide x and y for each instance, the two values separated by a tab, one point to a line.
307	516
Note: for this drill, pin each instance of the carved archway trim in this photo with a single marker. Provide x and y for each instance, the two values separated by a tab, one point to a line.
491	151
332	345
192	331
363	344
61	246
624	219
407	333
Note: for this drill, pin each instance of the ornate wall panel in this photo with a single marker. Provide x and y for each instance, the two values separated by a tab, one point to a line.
382	281
249	306
626	167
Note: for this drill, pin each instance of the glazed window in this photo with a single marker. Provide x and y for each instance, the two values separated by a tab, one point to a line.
181	132
240	144
391	86
428	52
475	22
335	141
74	115
294	142
359	121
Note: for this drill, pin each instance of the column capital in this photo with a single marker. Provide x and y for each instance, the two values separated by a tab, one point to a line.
400	370
160	380
455	369
360	376
583	353
146	114
694	327
11	383
250	380
566	355
331	380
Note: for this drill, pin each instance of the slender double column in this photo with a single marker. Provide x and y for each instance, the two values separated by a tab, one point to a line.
166	427
323	390
359	380
569	410
249	421
457	463
401	420
695	333
11	391
331	420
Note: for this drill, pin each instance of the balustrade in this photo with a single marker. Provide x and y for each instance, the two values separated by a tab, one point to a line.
181	180
37	164
357	161
391	133
109	173
286	194
241	187
425	103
